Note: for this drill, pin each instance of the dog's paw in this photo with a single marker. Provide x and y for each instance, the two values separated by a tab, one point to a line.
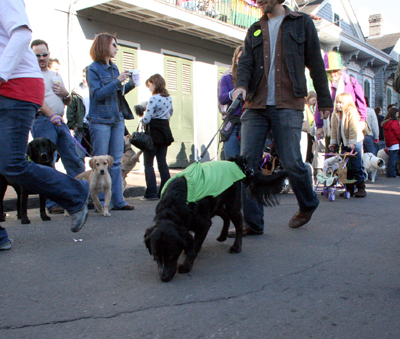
106	214
25	221
46	218
222	238
184	269
235	249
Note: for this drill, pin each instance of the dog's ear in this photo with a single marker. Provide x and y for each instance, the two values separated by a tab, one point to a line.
91	163
110	161
146	237
52	145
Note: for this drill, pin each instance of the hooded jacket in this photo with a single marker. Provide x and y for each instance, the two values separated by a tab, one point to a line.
392	132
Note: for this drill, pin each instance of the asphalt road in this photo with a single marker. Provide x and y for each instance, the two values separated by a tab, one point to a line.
337	277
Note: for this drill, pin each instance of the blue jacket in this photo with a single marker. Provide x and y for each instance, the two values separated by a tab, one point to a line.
103	87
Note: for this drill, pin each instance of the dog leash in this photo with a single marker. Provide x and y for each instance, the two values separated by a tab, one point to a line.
230	110
77	142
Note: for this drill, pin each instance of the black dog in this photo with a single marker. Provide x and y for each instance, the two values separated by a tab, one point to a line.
4	183
40	151
175	219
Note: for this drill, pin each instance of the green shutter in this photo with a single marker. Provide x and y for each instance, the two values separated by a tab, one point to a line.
126	59
179	78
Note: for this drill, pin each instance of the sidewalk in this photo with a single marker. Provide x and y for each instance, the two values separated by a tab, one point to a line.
136	186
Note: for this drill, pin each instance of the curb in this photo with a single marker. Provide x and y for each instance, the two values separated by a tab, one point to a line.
33	200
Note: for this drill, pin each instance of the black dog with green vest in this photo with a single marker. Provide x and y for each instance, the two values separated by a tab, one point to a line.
192	198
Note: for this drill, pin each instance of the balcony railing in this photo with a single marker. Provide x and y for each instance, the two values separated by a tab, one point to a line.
240	13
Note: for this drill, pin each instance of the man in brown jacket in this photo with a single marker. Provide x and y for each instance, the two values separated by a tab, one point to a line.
271	78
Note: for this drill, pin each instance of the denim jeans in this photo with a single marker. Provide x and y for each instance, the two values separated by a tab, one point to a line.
391	170
16	119
160	153
285	125
3	236
369	145
109	139
60	135
232	146
356	169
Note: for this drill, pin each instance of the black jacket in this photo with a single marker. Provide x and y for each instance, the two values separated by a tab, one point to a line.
301	48
160	132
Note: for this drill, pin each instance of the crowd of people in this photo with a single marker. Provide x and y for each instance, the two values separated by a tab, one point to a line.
268	72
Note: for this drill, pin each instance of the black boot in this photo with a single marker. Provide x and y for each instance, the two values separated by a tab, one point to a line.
361	193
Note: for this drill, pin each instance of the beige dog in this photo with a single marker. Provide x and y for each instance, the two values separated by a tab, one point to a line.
129	160
99	181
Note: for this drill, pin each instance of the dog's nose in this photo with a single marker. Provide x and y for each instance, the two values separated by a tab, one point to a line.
44	156
102	171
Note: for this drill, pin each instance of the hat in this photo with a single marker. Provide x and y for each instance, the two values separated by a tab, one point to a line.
333	61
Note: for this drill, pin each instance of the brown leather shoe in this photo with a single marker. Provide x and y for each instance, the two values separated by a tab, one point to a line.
56	210
125	208
246	231
300	219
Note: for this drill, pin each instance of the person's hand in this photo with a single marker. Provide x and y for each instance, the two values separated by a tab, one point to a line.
60	90
55	119
325	114
332	148
320	133
237	92
123	76
352	146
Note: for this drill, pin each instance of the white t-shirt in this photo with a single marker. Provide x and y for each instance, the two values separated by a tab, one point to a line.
13	63
53	100
84	93
273	25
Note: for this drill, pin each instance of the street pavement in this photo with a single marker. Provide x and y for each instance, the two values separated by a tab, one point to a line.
337	277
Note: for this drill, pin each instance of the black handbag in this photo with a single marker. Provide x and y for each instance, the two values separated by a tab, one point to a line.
142	140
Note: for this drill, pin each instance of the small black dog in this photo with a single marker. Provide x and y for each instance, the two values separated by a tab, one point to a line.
40	151
4	183
175	218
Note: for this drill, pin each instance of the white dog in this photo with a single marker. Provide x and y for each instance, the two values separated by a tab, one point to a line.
372	163
99	181
383	155
332	163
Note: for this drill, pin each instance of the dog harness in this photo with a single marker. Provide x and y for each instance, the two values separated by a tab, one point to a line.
208	179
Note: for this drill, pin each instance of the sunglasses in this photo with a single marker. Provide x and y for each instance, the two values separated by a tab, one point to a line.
42	55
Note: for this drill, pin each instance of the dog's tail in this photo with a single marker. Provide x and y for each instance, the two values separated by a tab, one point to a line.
262	188
265	188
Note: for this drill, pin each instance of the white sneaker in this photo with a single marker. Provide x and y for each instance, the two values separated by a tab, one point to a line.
6	246
79	218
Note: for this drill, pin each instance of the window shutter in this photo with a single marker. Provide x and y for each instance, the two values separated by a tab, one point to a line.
172	73
186	79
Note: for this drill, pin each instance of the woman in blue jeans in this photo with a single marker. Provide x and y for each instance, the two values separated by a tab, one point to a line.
156	120
231	128
106	117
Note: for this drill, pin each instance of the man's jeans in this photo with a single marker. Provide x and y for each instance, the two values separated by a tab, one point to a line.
356	169
160	152
79	151
60	135
16	119
109	139
286	129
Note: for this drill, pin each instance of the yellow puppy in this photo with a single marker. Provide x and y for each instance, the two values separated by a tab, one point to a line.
99	181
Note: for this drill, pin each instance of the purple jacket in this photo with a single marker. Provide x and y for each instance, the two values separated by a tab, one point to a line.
224	97
353	87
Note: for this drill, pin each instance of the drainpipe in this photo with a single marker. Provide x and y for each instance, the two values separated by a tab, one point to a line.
71	12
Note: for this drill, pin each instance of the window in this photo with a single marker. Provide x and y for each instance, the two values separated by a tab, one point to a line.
388	97
336	19
367	92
